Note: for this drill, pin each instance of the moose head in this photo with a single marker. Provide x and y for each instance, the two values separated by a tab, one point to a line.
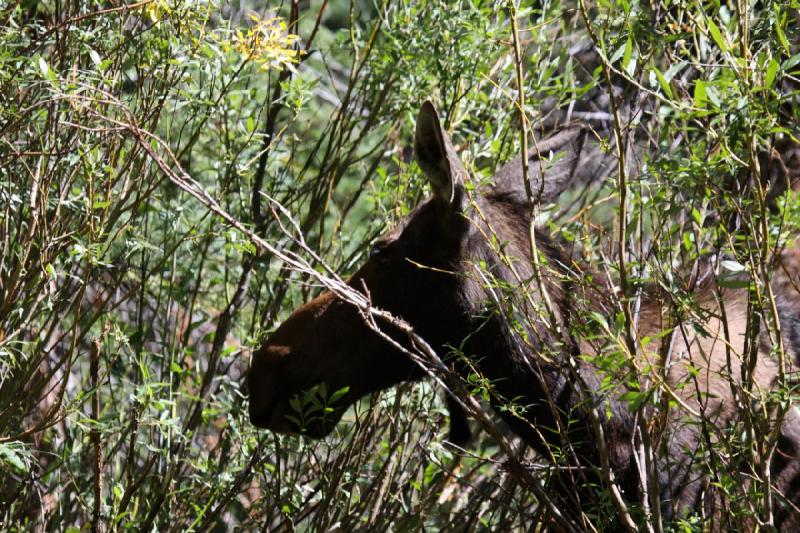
418	272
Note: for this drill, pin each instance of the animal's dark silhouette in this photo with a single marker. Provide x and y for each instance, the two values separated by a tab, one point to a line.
426	271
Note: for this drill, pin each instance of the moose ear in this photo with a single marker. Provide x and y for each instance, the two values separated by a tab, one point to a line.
780	169
554	163
437	157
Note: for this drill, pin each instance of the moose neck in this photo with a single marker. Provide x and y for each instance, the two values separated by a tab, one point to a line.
522	339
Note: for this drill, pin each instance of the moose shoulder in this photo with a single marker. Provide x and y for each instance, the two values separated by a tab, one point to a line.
426	272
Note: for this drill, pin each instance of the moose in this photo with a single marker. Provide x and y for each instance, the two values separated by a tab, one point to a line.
423	271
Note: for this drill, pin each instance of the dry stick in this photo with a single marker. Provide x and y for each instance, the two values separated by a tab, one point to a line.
537	271
94	437
269	127
630	336
554	323
622	189
765	459
773	435
386	472
276	105
101	12
595	420
532	202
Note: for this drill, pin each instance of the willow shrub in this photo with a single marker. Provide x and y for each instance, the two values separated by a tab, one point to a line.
133	136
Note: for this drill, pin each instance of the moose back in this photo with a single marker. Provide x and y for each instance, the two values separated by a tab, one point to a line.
435	270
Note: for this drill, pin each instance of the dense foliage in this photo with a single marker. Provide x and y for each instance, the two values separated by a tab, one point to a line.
148	150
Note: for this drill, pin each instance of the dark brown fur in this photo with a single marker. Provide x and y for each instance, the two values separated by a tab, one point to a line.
425	272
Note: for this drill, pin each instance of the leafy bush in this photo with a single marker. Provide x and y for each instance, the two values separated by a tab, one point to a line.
151	153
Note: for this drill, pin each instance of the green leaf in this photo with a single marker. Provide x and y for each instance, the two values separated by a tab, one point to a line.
713	96
43	66
663	82
779	21
772	69
732	266
11	457
791	62
674	69
627	64
294	403
634	399
717	36
733	283
700	97
338	394
600	319
617	54
431	471
697	216
95	57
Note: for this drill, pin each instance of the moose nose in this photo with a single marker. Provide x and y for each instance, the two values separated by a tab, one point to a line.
261	384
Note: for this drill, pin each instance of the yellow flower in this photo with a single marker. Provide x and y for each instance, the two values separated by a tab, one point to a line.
268	43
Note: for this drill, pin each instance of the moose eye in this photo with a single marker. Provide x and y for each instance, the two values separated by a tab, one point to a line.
375	251
379	251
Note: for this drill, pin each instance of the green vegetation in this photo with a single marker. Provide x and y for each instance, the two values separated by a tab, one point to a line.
149	150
